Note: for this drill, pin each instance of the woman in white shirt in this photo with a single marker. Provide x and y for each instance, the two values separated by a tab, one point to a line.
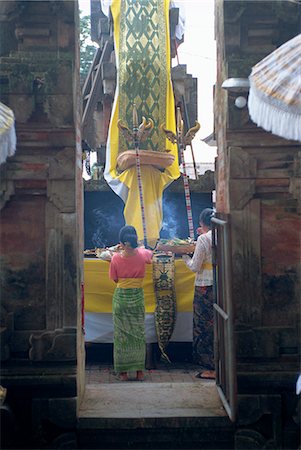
201	263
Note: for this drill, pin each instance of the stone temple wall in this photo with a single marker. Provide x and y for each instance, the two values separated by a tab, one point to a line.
41	229
258	188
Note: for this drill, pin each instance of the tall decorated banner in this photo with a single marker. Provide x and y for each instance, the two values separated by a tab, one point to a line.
142	48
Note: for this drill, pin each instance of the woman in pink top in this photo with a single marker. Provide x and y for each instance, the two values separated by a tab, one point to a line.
127	269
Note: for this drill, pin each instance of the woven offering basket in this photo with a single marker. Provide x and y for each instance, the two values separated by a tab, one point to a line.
161	160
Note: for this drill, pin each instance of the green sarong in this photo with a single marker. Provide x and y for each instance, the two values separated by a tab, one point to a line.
129	329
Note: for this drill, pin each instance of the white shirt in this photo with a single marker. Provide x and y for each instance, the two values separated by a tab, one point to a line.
202	257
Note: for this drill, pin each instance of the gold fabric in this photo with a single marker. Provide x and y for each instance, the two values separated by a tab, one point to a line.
207	266
129	283
99	288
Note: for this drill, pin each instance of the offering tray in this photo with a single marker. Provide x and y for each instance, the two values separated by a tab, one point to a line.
177	246
91	252
105	253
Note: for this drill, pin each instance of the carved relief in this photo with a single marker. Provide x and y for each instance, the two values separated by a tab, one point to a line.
240	193
62	165
246	265
295	190
57	414
261	417
57	345
7	189
5	335
61	194
242	164
248	439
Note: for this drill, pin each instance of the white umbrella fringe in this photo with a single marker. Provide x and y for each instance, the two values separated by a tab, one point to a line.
7	133
275	91
278	121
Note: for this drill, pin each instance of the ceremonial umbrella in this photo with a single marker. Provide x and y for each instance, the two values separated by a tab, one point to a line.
275	91
7	133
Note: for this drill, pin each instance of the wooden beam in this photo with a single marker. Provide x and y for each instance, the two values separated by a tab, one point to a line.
95	85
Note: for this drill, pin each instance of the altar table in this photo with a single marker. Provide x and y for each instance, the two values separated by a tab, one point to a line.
99	291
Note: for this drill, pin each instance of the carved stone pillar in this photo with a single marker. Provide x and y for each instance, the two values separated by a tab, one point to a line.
258	185
41	219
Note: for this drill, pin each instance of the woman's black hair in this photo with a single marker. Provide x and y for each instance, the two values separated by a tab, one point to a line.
206	216
128	234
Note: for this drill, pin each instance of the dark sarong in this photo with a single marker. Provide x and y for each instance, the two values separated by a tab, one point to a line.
129	329
203	332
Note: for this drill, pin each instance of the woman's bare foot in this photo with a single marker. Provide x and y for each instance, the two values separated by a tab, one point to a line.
123	376
140	375
207	375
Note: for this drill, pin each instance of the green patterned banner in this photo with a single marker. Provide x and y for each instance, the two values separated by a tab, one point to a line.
143	67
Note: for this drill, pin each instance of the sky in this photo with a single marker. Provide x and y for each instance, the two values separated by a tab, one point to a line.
198	52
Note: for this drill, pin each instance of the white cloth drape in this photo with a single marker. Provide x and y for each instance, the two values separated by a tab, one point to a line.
99	328
7	133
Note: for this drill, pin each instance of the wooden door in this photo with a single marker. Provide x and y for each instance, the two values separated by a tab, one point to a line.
225	364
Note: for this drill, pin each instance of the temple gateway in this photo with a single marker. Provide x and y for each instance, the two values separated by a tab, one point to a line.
136	113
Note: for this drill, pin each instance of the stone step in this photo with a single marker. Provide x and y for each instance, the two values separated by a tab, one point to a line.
152	416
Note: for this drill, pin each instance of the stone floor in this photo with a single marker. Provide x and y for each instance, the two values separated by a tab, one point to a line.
174	373
99	364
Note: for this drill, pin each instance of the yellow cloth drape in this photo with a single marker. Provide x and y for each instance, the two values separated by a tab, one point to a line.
99	288
154	181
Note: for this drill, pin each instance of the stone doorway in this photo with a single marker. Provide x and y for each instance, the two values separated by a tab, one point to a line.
171	408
